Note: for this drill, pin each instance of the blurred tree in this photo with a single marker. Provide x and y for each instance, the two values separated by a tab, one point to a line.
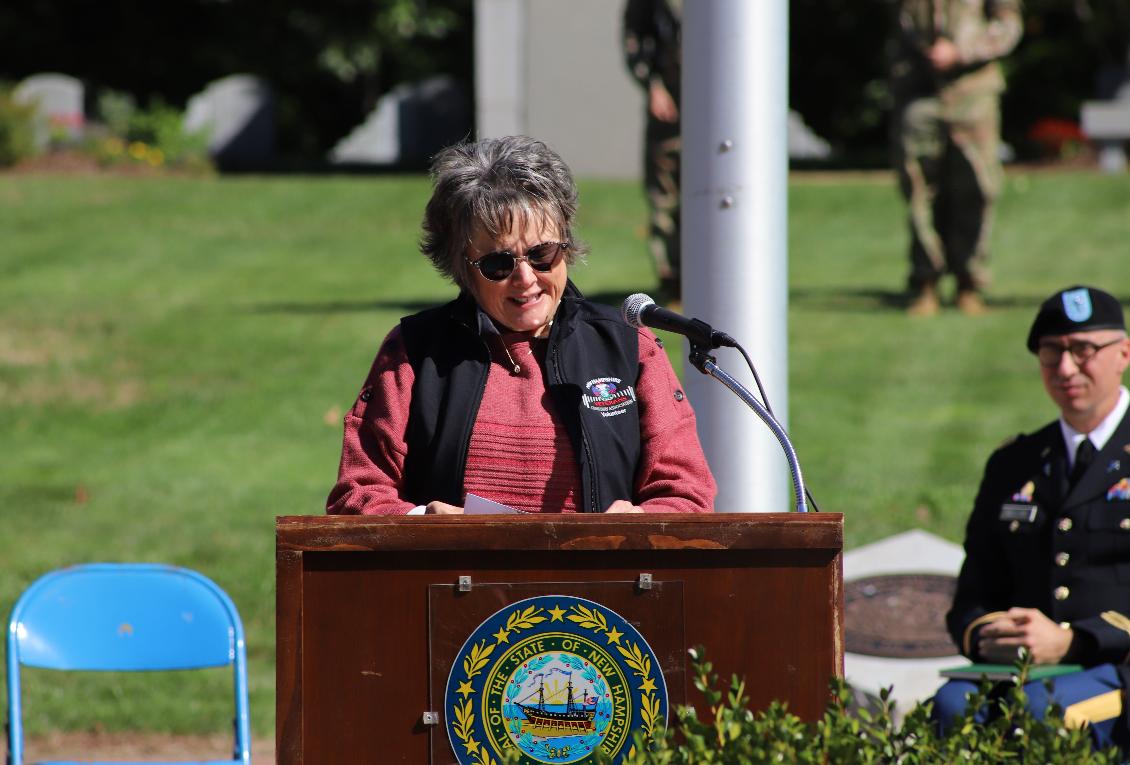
838	73
327	60
358	49
1107	23
839	56
1073	51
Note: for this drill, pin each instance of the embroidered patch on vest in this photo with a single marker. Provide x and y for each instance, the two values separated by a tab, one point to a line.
605	395
557	679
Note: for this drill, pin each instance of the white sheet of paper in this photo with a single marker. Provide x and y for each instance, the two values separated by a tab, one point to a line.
476	505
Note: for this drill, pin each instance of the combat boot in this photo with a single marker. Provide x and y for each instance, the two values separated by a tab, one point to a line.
970	303
924	302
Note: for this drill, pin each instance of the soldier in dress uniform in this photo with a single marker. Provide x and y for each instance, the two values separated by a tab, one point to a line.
946	82
1047	547
653	50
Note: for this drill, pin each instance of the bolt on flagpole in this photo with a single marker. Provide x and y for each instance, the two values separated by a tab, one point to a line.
734	230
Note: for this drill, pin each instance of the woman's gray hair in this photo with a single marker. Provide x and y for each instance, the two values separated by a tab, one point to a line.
497	185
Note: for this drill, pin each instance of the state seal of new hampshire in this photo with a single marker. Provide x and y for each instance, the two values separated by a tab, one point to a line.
557	679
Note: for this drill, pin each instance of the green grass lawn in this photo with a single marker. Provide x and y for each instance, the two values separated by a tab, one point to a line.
176	355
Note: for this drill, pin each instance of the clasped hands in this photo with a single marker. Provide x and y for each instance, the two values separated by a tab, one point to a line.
1000	640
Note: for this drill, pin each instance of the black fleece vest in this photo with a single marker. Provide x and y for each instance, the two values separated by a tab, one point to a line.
592	367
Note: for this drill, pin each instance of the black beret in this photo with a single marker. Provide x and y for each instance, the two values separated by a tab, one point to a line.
1075	309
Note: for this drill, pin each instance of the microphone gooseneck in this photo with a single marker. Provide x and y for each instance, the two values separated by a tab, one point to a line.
639	310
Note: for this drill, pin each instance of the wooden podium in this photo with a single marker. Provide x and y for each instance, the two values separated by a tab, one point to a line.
372	611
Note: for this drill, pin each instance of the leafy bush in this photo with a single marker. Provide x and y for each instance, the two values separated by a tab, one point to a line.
17	131
155	137
731	734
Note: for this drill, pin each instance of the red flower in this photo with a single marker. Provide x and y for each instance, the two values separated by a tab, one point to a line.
1053	134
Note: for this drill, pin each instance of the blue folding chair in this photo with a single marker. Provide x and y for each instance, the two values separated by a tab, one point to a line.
126	617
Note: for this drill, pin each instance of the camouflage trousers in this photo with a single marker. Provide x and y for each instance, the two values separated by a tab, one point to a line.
950	174
662	153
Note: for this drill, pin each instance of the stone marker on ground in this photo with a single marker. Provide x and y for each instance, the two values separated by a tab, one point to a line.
1107	121
238	111
803	141
409	124
896	594
58	99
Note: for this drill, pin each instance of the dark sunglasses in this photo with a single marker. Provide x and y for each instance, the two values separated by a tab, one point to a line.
497	266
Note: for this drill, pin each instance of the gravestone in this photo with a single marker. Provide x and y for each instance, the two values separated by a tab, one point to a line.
238	112
408	126
58	99
1107	122
896	594
802	140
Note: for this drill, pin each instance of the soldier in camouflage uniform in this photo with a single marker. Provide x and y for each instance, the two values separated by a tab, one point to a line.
946	82
653	49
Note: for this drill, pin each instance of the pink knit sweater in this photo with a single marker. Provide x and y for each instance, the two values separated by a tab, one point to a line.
520	454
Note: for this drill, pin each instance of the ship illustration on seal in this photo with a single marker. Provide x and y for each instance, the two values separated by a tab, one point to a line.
547	717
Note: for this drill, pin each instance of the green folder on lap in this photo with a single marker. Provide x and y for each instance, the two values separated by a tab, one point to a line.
1006	671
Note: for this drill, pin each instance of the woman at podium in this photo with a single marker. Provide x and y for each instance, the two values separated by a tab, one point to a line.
520	390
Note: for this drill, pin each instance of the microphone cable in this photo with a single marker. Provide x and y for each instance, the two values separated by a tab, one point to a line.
698	332
765	402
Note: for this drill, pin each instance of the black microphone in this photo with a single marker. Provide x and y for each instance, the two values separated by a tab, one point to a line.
641	311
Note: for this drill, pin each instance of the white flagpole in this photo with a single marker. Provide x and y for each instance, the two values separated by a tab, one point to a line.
734	108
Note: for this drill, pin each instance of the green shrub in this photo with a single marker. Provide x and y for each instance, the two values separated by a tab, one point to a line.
17	129
731	734
115	110
162	127
155	136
